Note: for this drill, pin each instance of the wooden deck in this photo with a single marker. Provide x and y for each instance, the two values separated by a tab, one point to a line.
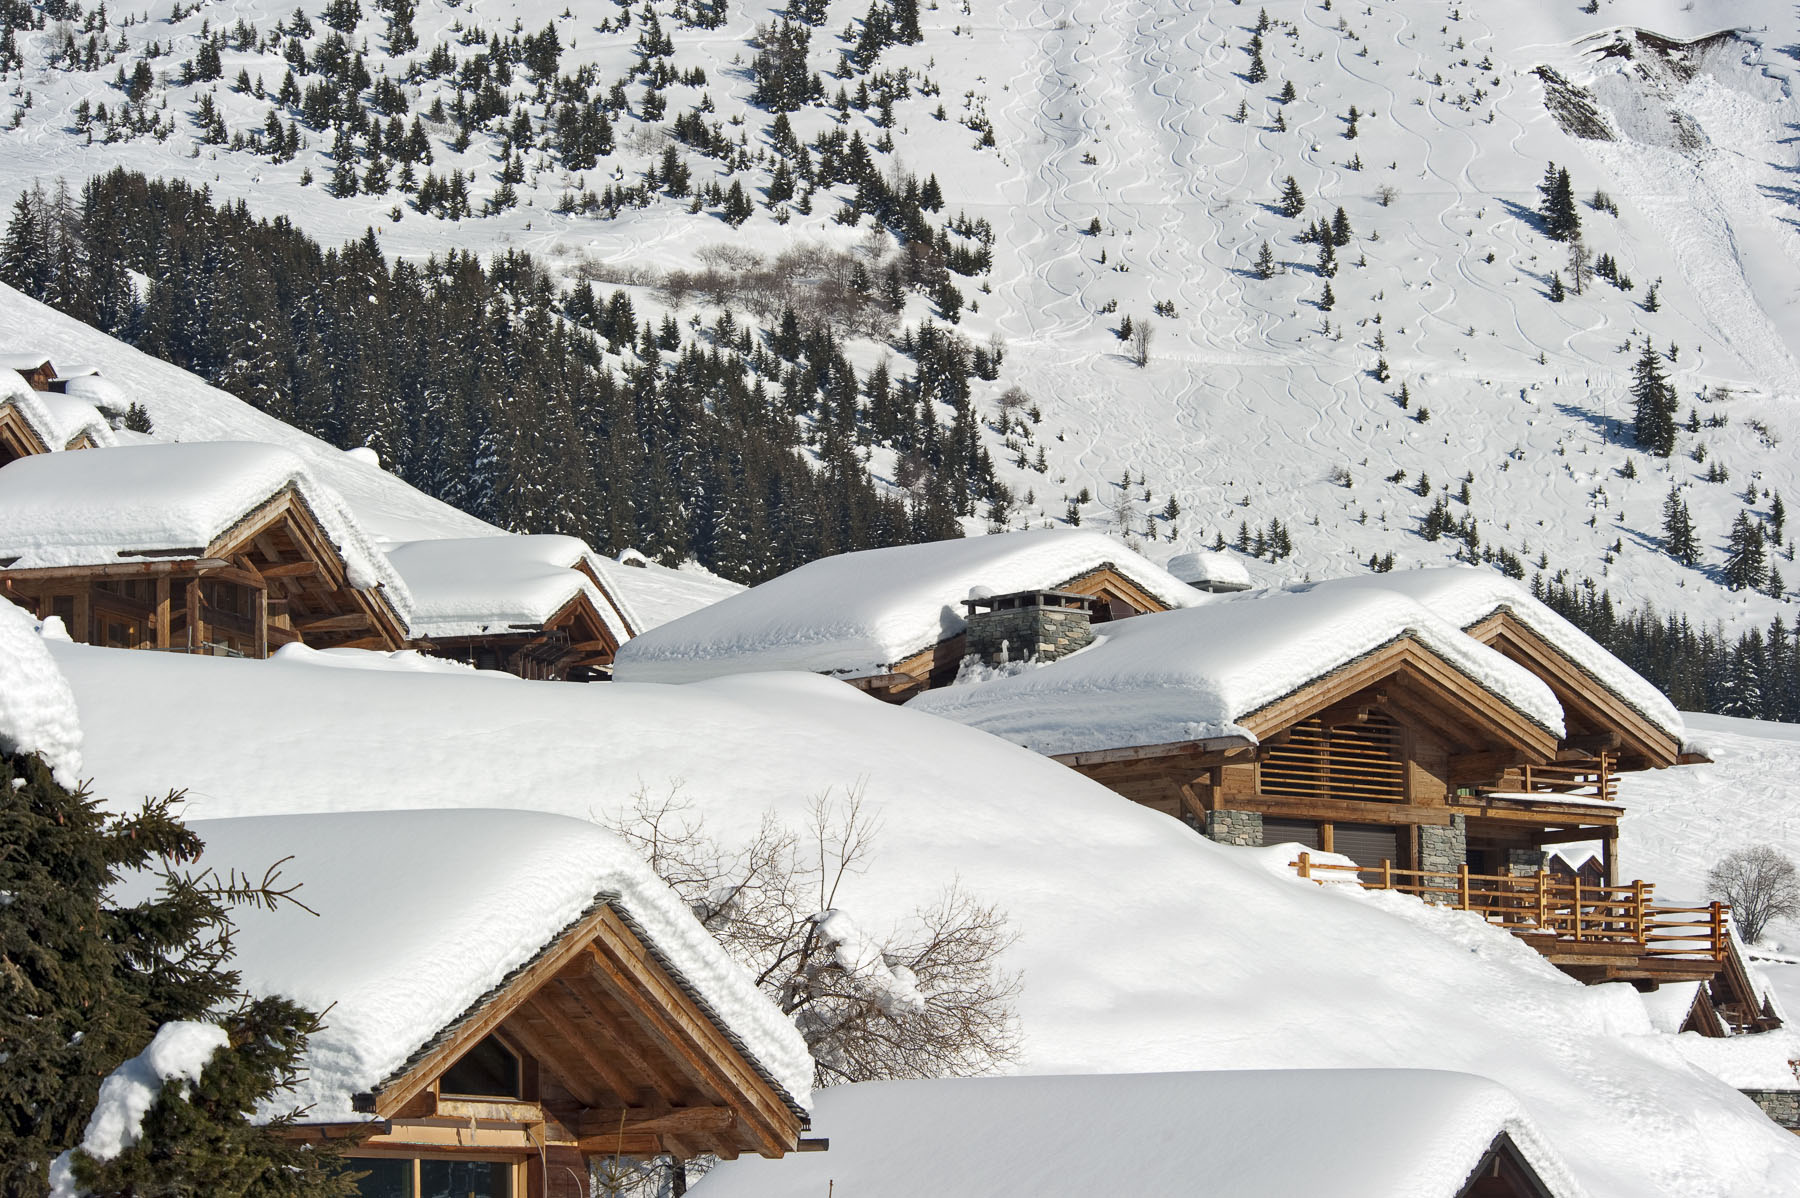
1592	933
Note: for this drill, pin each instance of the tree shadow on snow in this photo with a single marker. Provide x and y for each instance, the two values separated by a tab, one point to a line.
1608	426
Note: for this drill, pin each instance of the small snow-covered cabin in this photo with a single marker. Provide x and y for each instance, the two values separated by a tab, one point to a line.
896	621
534	606
40	421
510	995
201	547
34	368
1347	1133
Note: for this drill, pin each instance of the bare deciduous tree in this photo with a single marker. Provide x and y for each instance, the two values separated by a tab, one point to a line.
1141	334
1760	884
924	999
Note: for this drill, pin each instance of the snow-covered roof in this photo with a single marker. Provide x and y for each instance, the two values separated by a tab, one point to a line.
860	613
1349	1133
473	586
1194	674
56	419
421	913
654	595
1465	596
1211	571
37	709
1143	947
22	360
101	506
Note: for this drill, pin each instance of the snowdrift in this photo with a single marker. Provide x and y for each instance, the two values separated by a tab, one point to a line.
1143	946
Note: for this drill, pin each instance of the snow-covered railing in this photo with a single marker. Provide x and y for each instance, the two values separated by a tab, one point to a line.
1542	905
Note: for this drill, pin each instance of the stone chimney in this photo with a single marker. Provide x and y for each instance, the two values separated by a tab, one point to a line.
1044	625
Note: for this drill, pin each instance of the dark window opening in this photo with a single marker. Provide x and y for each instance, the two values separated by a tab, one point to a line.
489	1069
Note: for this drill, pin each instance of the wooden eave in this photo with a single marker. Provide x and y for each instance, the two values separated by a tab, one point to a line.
370	621
16	434
612	601
1425	688
651	1067
1107	578
1212	751
1586	702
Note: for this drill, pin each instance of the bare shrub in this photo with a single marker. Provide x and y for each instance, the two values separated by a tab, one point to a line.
926	998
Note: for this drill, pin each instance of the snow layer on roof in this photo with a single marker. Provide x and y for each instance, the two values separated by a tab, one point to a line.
422	912
56	419
860	613
37	709
1194	674
1205	566
184	407
653	595
1349	1133
472	586
1143	947
1465	596
92	507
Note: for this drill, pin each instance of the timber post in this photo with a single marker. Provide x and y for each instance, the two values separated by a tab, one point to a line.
1462	885
1305	865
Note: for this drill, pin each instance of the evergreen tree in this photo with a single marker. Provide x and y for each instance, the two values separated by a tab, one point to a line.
1293	200
1561	217
1653	404
1265	262
1678	538
85	982
1746	564
1557	294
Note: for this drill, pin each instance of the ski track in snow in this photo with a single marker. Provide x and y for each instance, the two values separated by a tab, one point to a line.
1245	396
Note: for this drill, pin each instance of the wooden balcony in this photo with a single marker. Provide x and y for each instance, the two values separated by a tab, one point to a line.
1592	933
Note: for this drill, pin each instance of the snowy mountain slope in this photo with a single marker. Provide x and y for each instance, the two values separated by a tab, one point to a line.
1142	946
1126	113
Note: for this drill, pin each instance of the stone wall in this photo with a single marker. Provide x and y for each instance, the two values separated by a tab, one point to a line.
1235	827
1016	633
1783	1106
1525	863
1443	849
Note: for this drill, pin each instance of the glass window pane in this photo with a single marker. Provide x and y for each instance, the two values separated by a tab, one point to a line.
386	1179
488	1068
465	1179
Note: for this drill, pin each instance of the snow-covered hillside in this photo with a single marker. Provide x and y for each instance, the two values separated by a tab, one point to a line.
1141	945
1255	404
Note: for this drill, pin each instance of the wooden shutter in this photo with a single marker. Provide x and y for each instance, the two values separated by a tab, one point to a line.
1350	761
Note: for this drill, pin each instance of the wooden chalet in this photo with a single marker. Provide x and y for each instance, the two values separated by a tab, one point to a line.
1353	721
34	368
203	547
533	606
626	1032
35	421
892	622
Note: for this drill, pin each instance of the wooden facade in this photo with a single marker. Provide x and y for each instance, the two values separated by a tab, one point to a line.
273	578
1430	783
20	439
573	645
593	1049
37	371
1115	597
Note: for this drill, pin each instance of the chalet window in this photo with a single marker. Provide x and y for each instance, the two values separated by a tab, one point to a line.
488	1070
1348	761
442	1177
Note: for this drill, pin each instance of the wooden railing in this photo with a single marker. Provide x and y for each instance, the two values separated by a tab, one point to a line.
1590	781
1542	905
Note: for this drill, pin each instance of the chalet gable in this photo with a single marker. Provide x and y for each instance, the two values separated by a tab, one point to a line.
204	546
534	606
508	990
34	422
